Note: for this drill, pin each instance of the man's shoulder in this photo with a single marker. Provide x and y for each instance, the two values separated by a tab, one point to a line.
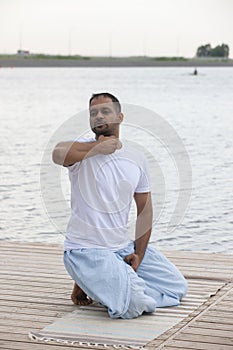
84	139
133	151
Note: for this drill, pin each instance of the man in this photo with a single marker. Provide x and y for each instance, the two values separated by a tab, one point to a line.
128	277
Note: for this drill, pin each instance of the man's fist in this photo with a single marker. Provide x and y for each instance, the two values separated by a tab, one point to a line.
107	144
133	260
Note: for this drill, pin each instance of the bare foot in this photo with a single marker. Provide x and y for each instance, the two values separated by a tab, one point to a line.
79	297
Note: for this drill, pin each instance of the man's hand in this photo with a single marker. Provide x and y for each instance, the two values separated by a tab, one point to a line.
107	144
133	260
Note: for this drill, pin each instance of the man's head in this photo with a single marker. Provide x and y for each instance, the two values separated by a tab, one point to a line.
105	114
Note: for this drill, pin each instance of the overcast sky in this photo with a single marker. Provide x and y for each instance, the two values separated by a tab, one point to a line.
115	27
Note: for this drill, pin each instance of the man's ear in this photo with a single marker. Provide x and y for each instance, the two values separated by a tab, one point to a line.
121	117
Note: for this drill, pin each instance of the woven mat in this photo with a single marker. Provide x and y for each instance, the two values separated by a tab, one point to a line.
91	325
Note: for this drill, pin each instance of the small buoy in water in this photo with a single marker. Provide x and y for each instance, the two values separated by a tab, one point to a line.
195	71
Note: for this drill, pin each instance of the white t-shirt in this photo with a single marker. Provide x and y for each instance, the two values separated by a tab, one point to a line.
102	189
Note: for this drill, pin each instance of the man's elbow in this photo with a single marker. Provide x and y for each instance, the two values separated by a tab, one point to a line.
58	155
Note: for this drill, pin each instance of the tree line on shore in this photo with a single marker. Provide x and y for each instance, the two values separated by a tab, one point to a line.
218	51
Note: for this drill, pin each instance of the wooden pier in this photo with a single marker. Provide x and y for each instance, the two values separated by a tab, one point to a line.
35	290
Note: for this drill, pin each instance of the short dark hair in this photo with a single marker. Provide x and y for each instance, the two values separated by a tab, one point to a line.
117	104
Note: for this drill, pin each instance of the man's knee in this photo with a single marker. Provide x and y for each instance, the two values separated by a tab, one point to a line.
139	302
139	305
183	287
180	290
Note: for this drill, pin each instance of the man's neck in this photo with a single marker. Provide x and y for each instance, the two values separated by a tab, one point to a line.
115	134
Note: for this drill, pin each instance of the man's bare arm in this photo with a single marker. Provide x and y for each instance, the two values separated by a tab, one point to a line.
68	153
143	228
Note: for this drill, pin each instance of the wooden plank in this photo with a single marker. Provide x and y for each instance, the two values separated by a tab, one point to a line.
217	314
52	274
16	328
184	344
30	292
207	275
27	317
34	268
25	258
220	320
8	254
208	256
35	311
34	277
223	308
33	285
32	288
38	299
37	264
196	282
202	263
38	246
215	340
26	324
228	297
210	332
29	345
38	307
211	325
172	348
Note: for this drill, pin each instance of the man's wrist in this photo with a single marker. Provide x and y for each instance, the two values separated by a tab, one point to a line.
140	255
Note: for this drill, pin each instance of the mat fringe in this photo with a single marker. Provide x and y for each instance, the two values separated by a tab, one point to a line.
38	337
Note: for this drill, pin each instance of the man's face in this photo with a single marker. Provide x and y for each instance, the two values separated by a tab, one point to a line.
104	119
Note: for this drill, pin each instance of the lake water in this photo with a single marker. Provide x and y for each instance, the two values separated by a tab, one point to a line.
35	103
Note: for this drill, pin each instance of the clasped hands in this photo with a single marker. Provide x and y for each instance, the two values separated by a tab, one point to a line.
107	144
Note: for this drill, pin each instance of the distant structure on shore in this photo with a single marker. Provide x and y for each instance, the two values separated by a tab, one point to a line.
23	53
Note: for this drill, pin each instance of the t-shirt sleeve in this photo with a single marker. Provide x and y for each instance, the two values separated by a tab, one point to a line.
144	180
73	167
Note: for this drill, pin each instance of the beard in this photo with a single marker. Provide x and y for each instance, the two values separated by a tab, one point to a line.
102	129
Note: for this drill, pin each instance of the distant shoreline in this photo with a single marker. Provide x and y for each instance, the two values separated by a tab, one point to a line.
14	61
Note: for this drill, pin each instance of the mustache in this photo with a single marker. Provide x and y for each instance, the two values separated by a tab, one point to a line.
100	122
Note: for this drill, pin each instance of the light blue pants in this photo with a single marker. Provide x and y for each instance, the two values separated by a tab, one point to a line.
105	277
